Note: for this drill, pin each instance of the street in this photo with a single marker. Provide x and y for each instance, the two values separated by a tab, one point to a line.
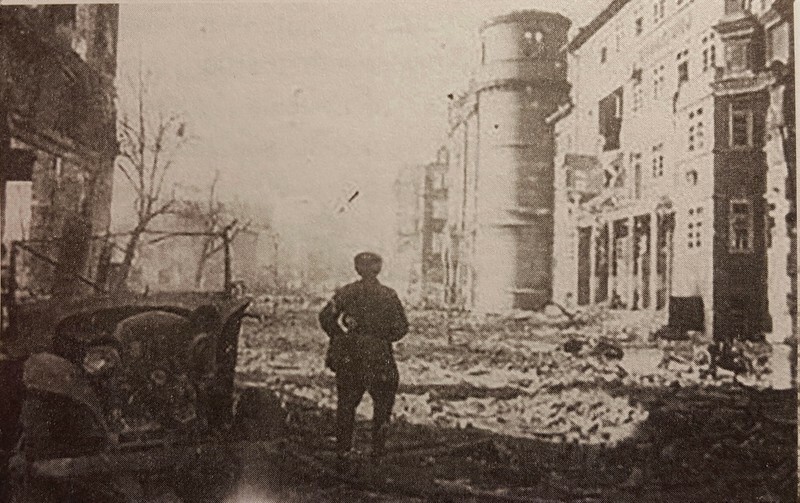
496	411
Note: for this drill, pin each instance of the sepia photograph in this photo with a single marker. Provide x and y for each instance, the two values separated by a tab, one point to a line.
368	251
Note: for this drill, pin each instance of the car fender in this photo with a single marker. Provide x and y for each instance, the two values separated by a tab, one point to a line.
49	373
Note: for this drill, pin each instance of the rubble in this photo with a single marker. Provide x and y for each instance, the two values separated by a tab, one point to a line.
608	418
586	417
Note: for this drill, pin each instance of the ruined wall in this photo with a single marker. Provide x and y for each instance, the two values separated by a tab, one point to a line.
57	95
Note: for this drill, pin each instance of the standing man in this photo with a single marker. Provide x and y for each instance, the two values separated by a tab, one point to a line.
362	320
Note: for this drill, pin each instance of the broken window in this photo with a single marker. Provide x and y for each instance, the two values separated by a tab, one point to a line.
610	119
683	66
741	125
18	210
740	228
683	72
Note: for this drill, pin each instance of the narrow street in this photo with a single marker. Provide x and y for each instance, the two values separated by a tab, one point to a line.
495	410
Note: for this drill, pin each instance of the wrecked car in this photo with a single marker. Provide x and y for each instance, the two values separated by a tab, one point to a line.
130	401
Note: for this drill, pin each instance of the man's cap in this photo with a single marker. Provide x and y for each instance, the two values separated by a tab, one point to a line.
368	263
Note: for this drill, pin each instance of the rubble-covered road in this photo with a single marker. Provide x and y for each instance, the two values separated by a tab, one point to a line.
495	410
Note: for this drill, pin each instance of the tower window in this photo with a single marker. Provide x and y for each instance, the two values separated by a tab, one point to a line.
639	25
603	54
532	45
740	226
741	125
737	55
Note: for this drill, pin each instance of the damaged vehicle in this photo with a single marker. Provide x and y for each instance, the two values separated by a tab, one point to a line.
130	403
122	396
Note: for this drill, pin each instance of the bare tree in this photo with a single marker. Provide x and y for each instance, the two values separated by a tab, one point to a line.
147	146
216	221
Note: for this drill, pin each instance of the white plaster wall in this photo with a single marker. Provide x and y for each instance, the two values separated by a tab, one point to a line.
663	120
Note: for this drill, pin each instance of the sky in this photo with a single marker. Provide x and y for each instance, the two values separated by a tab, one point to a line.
304	101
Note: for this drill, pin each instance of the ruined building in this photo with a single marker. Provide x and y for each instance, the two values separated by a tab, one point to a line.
675	165
500	176
187	252
421	203
57	139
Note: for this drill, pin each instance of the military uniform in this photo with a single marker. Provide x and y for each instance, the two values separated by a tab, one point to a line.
362	320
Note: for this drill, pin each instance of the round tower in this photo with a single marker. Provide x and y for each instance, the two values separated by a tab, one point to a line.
521	80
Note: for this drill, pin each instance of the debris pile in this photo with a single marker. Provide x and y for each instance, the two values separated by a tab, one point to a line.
571	416
575	416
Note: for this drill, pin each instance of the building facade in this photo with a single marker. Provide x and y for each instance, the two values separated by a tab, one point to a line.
500	176
57	138
668	154
419	253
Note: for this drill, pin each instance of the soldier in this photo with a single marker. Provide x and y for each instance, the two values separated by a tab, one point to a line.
362	320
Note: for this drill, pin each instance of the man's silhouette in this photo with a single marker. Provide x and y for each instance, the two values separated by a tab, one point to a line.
362	320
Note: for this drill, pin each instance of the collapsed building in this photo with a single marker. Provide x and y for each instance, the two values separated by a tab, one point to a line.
675	165
57	141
